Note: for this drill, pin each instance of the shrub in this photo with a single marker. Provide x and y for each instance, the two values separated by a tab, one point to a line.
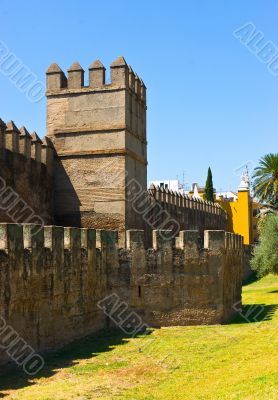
265	255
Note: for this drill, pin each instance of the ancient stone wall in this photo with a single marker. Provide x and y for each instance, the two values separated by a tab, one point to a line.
185	284
26	178
99	134
98	131
52	279
50	283
166	209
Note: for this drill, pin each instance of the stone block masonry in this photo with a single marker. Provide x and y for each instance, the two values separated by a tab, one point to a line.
167	209
99	134
26	176
51	280
89	174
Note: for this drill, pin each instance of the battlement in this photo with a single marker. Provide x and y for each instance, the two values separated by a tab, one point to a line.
14	238
26	165
177	199
97	130
181	212
30	146
57	283
122	77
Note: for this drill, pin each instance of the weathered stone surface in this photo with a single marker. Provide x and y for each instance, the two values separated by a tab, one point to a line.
90	172
26	188
99	134
52	279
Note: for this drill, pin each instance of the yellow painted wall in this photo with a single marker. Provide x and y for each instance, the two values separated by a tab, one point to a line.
240	215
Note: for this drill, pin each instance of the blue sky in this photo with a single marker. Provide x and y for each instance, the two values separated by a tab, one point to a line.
211	102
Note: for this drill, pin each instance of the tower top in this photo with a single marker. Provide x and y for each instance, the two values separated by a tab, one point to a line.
75	67
97	64
53	68
122	77
244	185
119	62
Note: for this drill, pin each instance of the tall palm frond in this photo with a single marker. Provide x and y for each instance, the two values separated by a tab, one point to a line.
265	184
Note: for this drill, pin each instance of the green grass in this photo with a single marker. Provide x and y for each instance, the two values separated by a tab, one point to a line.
236	361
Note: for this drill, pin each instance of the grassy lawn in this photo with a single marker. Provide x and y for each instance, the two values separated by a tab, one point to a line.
236	361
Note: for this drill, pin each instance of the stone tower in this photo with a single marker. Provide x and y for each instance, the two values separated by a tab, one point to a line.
99	135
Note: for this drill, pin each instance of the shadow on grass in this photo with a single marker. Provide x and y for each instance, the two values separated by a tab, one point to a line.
273	291
87	347
252	313
250	279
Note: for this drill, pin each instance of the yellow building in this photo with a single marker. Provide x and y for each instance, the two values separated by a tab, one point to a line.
242	210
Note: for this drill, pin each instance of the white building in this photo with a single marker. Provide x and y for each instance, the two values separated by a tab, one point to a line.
171	184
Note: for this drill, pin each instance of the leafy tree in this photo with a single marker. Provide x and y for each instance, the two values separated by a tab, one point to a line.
265	258
265	182
208	195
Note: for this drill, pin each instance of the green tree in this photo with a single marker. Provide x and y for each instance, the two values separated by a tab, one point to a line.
265	182
265	258
208	195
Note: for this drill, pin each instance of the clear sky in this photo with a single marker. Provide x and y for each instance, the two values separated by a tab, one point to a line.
211	102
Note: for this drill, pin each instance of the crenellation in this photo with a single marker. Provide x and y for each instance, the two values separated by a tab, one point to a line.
20	141
119	73
137	86
25	142
189	241
232	241
122	76
36	147
75	76
214	240
12	137
72	244
162	239
163	195
55	78
238	241
171	197
135	239
188	211
131	81
179	199
11	240
47	154
96	74
174	199
33	240
54	240
143	92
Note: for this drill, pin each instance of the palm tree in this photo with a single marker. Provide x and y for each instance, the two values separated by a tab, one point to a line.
265	182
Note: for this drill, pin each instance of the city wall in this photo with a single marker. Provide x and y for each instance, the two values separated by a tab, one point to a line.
26	179
166	209
56	284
